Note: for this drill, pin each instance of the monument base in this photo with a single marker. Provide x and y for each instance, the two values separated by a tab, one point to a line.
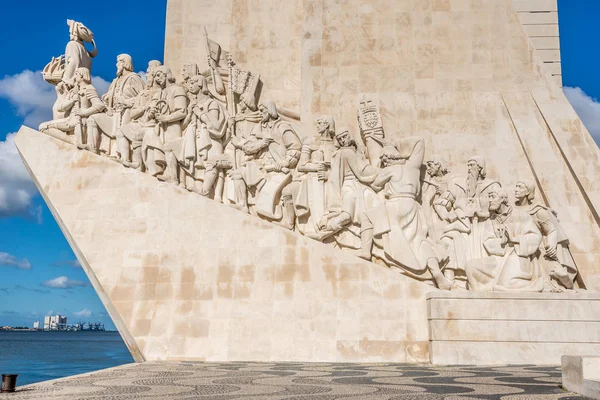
512	328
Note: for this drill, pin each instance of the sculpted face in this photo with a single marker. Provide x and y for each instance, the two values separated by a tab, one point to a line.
433	168
473	168
120	67
322	126
78	77
521	191
344	139
160	78
264	113
194	86
495	201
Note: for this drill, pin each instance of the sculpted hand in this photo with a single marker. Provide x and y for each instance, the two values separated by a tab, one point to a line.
212	63
162	118
265	142
322	176
231	121
322	167
80	113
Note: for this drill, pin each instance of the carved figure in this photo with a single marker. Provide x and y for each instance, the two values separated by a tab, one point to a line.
434	185
76	56
188	71
119	99
310	200
349	198
131	135
557	263
78	104
401	234
168	108
511	238
204	141
275	150
471	200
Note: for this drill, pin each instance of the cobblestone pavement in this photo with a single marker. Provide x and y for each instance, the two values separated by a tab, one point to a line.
295	381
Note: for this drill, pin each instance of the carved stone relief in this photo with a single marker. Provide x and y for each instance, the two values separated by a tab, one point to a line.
212	134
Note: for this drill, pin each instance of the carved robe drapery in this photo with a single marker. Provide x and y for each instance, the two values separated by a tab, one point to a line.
512	265
284	149
157	140
348	191
548	225
310	201
404	242
474	206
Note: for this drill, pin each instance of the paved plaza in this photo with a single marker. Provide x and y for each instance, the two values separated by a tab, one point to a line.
296	381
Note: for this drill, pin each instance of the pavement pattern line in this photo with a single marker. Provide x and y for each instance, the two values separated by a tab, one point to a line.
299	381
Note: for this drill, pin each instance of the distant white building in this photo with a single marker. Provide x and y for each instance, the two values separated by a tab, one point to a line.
36	325
55	323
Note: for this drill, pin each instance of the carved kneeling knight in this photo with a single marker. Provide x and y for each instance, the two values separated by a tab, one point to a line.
274	148
81	102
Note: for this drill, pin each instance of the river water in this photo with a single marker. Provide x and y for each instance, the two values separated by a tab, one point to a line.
40	356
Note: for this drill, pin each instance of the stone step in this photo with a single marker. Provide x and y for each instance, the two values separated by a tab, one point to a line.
512	328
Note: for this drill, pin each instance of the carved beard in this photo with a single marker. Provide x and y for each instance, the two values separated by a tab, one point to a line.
471	184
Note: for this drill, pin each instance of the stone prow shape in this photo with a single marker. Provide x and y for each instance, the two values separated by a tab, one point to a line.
186	278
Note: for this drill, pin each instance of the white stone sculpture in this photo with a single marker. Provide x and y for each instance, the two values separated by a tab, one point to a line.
511	240
77	105
188	71
435	183
203	143
557	262
310	200
102	128
130	136
400	228
470	198
61	70
349	198
274	150
167	109
366	195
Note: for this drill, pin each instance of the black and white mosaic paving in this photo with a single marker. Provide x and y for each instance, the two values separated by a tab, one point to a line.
297	381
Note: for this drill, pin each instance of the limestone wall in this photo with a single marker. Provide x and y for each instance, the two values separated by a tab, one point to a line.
540	21
187	278
463	74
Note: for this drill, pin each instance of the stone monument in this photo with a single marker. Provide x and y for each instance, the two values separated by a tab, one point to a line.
330	182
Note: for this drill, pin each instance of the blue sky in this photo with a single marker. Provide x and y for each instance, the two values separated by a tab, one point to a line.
38	272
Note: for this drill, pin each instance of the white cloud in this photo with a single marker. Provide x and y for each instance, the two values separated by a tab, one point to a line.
11	261
68	263
100	84
33	97
587	108
63	282
85	313
143	75
16	187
